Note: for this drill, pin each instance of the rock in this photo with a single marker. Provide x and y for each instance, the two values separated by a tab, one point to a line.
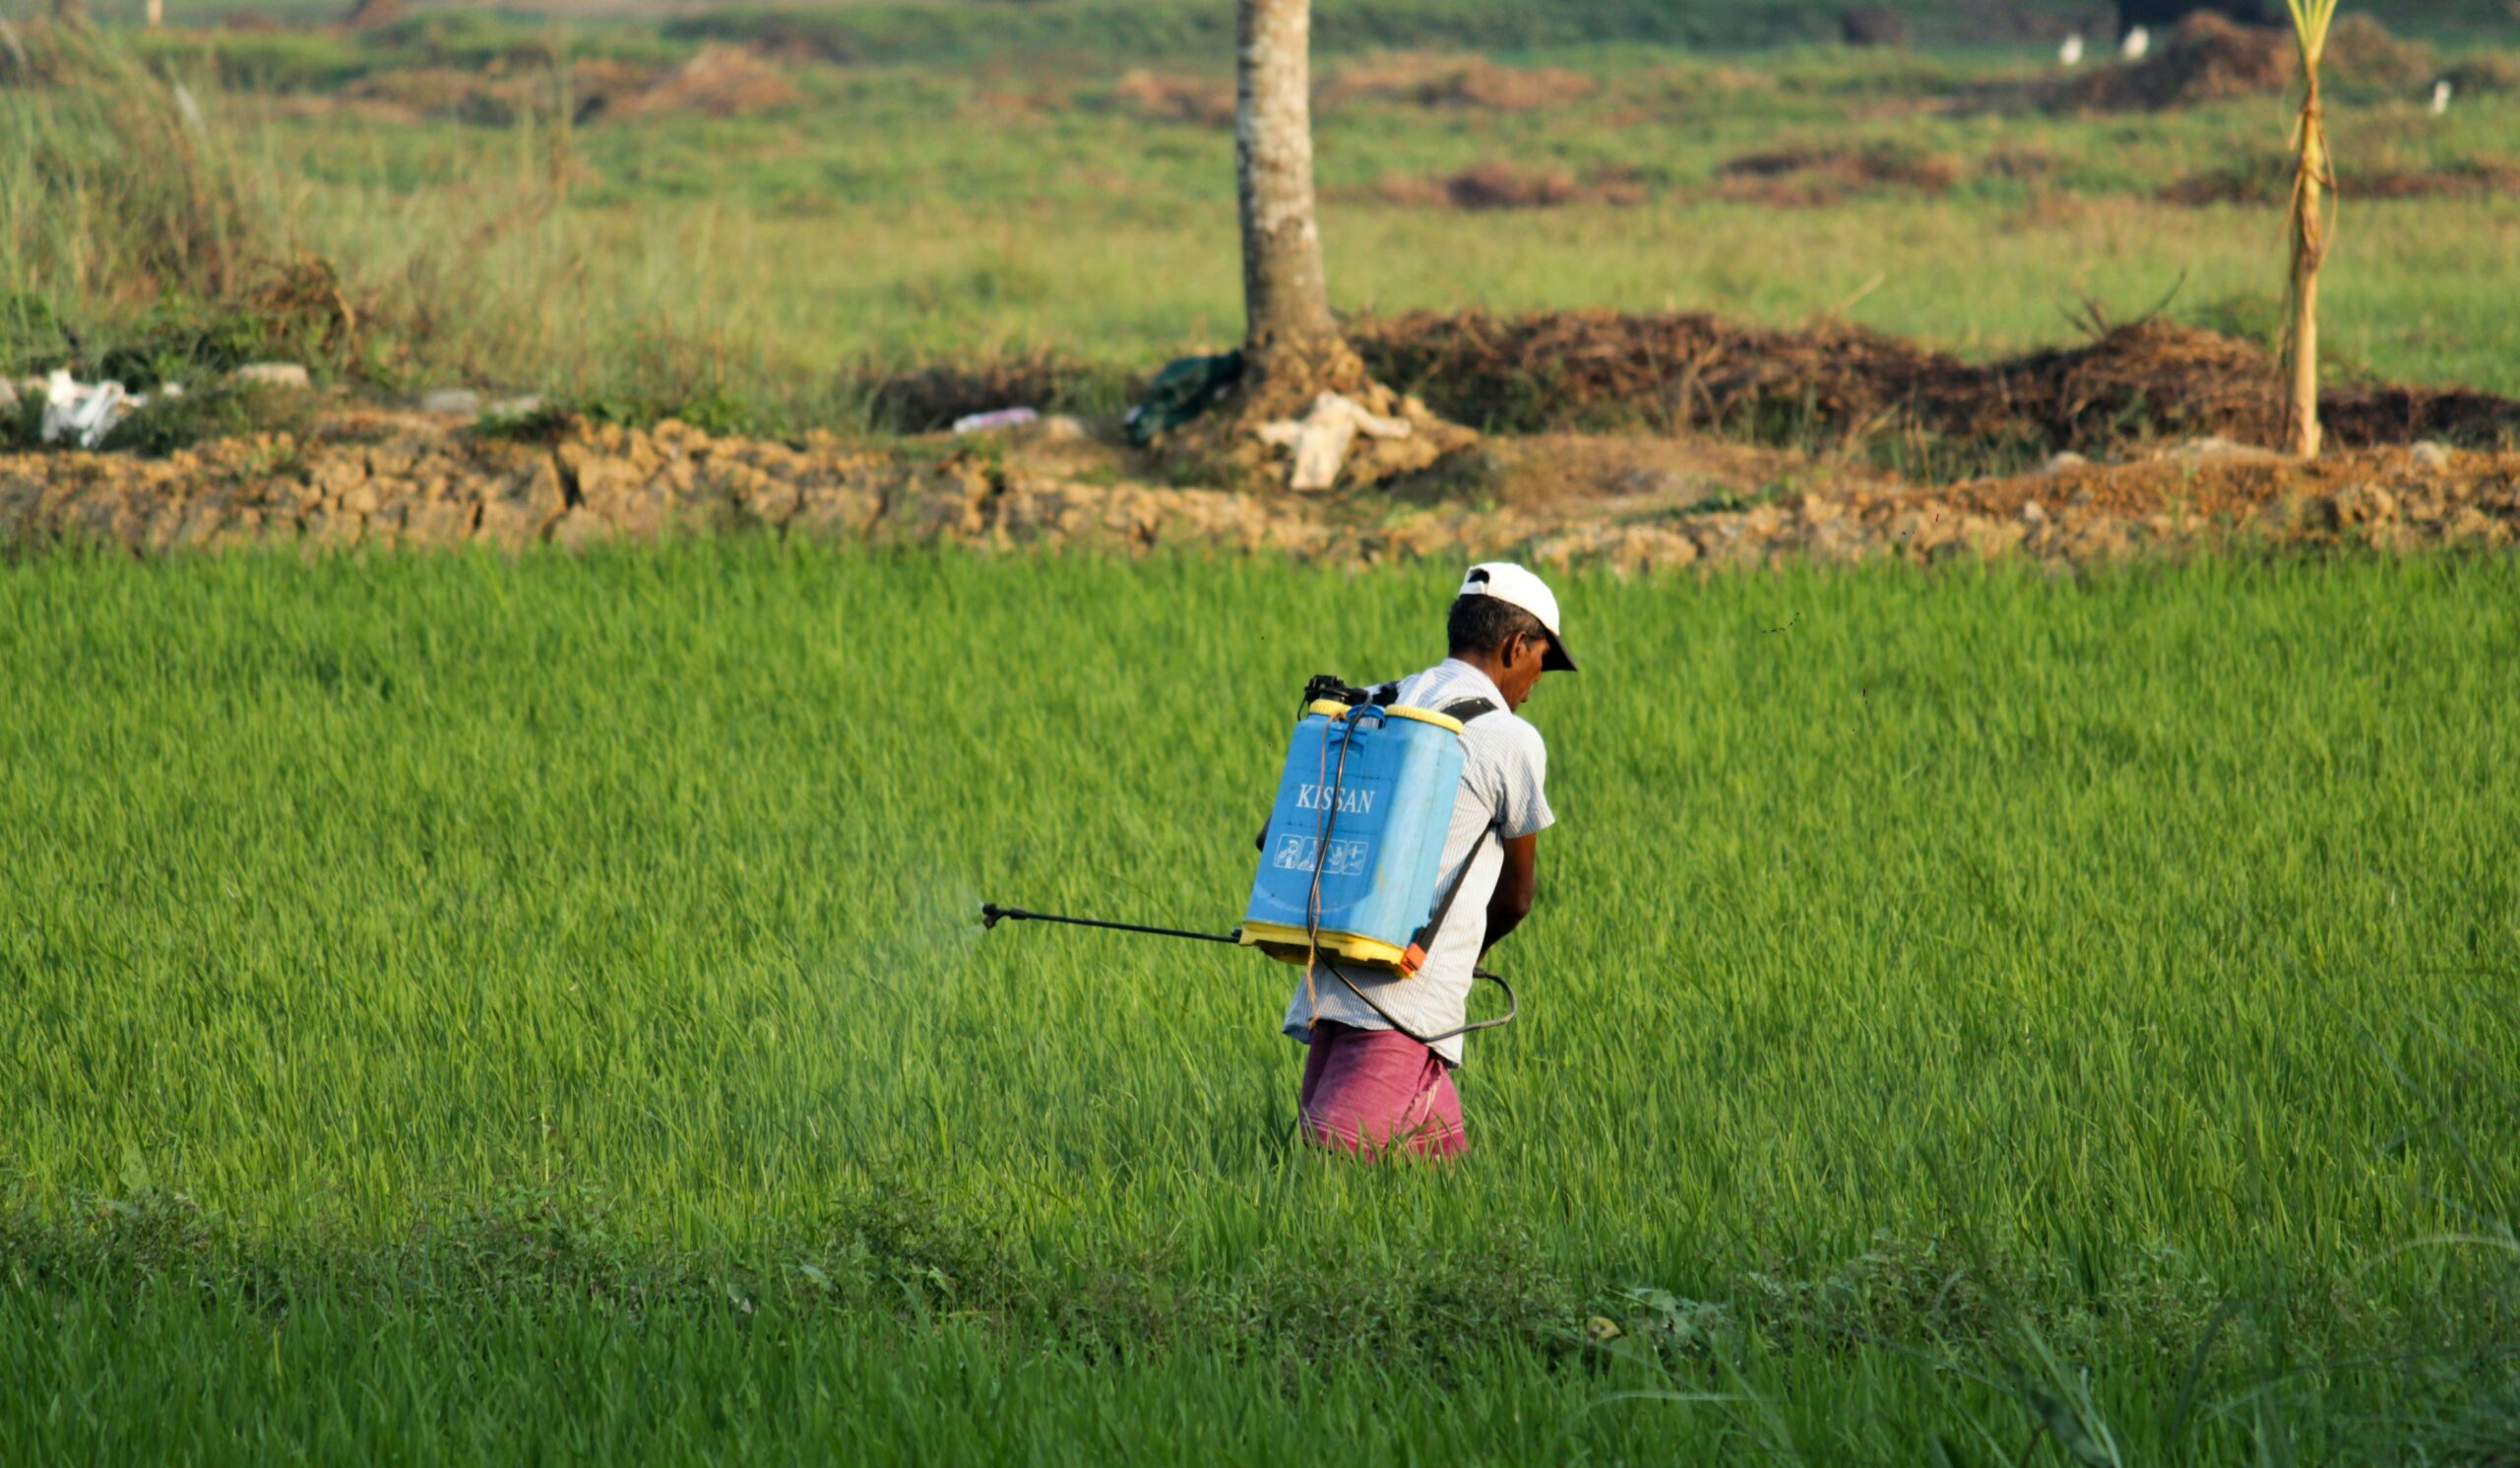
331	531
2066	461
1646	547
455	400
2102	538
2431	457
334	474
8	398
514	408
579	528
439	522
2365	504
2034	513
2474	527
943	505
1060	427
282	375
1845	539
1989	538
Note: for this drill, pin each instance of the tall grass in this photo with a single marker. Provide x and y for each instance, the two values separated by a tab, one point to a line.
563	974
118	186
901	215
154	226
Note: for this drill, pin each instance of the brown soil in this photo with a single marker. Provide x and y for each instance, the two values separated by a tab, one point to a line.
1498	184
1201	100
2208	58
1439	80
2490	71
2466	179
1814	178
1595	369
718	82
1578	371
443	91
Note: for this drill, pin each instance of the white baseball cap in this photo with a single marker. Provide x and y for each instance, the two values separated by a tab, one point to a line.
1515	587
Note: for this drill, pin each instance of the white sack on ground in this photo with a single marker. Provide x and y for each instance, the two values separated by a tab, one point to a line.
1321	438
86	412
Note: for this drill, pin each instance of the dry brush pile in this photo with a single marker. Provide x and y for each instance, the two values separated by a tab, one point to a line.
1675	371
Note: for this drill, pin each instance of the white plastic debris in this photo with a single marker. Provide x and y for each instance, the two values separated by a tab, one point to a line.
1321	438
2440	97
2071	53
2138	41
85	412
1004	417
271	375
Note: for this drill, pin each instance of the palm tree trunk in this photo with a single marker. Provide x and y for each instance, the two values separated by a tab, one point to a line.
2309	245
2313	183
1289	330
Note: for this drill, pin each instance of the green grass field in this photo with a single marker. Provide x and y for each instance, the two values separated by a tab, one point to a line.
965	207
466	1010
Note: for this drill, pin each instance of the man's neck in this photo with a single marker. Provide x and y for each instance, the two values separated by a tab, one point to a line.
1485	663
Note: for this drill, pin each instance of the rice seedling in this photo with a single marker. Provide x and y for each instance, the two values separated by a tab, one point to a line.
469	1008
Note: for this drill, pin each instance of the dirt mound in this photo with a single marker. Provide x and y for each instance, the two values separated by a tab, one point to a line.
1874	26
1206	102
2487	71
1825	176
718	82
2267	183
2211	59
1438	79
2362	50
1595	370
444	91
1498	184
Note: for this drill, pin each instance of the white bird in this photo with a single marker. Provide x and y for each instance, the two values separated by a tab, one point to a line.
2137	42
2071	53
2440	97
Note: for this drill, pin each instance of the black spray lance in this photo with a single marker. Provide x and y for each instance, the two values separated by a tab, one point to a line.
1383	910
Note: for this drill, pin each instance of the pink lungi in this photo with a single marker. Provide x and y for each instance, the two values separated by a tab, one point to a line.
1370	1091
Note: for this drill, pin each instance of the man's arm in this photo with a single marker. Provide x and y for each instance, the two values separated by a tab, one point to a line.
1516	887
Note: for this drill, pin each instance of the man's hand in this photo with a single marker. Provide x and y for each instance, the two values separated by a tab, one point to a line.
1517	887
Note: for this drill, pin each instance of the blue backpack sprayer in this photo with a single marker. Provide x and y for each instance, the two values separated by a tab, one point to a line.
1354	850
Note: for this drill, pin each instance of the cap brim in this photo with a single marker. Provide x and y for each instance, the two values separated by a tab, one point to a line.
1557	658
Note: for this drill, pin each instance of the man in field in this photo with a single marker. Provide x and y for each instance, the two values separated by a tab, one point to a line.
1368	1086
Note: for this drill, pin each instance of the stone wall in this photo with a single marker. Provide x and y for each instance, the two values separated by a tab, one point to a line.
413	485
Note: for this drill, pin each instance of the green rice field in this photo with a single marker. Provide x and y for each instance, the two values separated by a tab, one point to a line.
466	1010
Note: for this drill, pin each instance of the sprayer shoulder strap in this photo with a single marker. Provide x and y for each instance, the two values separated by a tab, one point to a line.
1463	710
